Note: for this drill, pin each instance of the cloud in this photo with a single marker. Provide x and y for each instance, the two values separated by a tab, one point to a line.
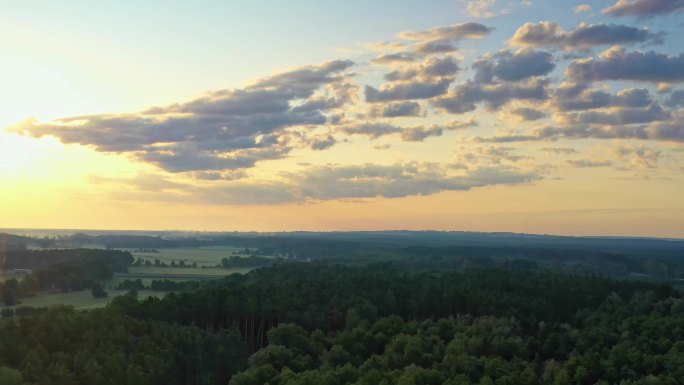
224	175
493	155
458	125
644	8
465	97
375	130
432	47
669	131
142	182
418	134
393	110
509	66
559	150
454	32
227	129
639	157
589	163
676	98
322	142
431	68
582	8
551	34
481	8
399	180
417	89
328	182
617	64
415	44
400	57
573	97
619	116
528	114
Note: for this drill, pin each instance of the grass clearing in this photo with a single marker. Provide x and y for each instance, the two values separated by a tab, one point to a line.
80	300
203	256
178	274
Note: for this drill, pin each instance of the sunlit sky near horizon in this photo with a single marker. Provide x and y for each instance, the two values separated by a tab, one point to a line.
320	115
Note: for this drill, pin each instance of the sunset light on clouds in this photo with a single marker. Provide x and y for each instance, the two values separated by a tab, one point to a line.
275	116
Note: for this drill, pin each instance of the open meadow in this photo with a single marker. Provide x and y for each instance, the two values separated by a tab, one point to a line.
207	256
80	300
205	259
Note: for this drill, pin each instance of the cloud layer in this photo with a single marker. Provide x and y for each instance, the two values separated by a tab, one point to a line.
539	89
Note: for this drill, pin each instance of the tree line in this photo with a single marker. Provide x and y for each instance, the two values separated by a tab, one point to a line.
60	270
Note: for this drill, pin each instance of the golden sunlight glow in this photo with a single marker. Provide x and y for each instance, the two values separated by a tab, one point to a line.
32	89
21	156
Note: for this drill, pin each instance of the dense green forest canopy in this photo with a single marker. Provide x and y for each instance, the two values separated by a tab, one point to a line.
322	323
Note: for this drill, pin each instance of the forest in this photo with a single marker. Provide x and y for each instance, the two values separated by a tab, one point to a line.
361	323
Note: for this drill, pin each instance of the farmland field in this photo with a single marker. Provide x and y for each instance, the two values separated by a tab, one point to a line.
80	300
8	274
206	259
148	273
203	256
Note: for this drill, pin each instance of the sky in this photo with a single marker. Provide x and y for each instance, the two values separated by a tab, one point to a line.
547	117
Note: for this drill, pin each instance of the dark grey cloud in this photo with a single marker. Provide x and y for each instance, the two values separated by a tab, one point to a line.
676	98
513	66
644	8
617	64
453	32
632	97
465	97
390	58
418	134
183	157
375	130
392	110
620	116
551	34
668	131
573	97
528	114
227	129
417	89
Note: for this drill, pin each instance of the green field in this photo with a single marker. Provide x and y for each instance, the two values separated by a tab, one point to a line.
79	299
203	256
148	273
208	257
